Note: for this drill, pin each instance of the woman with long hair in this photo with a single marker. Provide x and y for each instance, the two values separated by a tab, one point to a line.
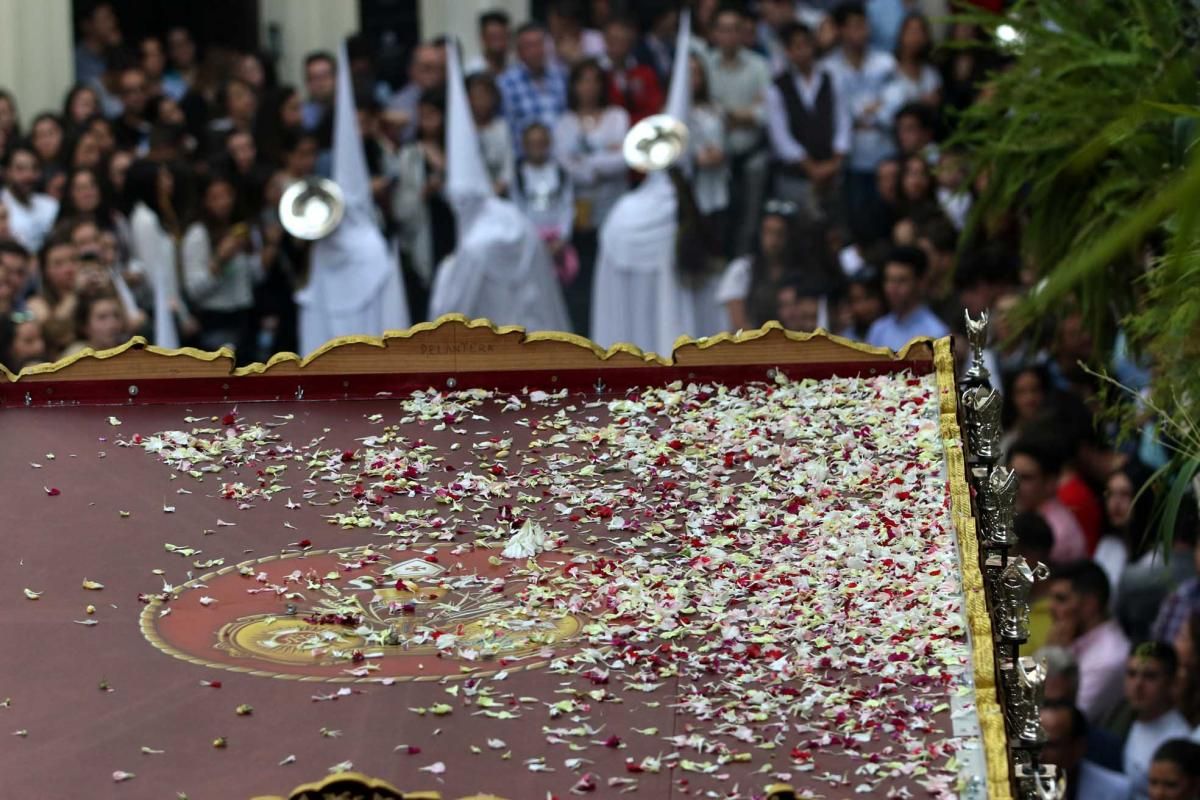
220	268
282	111
785	250
915	79
83	152
1027	396
916	190
47	136
88	196
1128	511
587	142
106	139
81	104
255	68
154	224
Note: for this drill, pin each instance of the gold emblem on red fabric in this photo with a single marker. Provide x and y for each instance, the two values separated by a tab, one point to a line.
359	614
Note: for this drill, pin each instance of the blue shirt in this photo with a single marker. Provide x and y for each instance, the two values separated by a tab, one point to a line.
895	332
174	85
885	18
861	90
525	99
312	114
88	65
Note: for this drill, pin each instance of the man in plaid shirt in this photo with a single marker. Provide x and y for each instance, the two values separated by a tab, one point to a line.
1178	606
532	90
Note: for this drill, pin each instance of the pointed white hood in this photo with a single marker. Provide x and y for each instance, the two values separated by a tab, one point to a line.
679	95
468	184
639	233
349	161
500	268
351	264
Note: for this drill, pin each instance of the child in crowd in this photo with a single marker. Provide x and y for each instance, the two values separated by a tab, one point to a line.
21	342
544	192
99	322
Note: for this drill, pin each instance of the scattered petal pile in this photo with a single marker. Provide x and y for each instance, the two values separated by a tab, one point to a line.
773	562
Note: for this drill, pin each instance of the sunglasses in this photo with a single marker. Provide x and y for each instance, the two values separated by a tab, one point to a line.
21	317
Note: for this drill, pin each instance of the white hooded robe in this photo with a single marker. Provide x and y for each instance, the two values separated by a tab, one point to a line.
354	286
638	295
500	269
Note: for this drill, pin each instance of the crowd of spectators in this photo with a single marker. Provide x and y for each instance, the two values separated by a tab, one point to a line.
814	162
819	162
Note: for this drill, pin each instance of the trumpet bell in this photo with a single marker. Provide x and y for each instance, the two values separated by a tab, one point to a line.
655	143
312	208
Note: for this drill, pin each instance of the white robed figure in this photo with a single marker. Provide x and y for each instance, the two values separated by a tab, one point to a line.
500	268
354	285
638	294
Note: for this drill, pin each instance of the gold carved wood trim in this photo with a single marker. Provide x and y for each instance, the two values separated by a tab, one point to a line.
453	343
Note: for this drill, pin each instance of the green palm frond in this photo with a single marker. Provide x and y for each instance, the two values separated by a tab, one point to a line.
1090	134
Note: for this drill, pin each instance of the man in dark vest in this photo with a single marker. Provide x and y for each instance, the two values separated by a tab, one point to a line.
808	126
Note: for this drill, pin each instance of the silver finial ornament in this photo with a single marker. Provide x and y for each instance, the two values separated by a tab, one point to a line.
983	421
1025	684
1012	591
977	334
997	506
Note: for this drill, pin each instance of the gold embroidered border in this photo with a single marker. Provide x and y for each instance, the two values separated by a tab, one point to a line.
987	706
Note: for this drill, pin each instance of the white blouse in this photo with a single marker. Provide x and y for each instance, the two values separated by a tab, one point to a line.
710	184
154	249
233	289
902	90
495	139
735	281
591	153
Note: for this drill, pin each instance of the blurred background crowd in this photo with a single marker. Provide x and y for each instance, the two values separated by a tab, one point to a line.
827	178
